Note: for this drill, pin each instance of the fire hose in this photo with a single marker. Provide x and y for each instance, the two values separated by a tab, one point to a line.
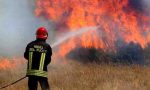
13	83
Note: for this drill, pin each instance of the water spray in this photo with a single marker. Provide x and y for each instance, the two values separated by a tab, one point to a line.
74	33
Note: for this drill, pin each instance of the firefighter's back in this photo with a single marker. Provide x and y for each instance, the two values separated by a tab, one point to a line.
38	53
39	56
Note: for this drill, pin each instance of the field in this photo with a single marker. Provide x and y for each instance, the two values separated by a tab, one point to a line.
76	76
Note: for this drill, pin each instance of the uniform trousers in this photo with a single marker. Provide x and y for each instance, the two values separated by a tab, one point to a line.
33	83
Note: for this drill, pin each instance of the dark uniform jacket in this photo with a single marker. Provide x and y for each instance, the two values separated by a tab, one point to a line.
38	53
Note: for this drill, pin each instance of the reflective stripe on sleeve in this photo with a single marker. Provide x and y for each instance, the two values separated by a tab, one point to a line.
30	59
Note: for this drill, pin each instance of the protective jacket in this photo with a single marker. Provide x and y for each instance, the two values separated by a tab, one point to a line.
38	53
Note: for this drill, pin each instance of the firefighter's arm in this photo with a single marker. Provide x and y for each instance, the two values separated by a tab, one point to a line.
49	54
26	53
50	49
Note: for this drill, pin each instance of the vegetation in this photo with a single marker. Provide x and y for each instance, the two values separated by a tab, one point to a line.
131	53
90	76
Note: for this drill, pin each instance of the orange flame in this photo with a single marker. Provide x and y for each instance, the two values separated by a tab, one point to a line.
6	64
114	17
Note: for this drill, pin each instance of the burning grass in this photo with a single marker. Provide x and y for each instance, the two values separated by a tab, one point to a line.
77	76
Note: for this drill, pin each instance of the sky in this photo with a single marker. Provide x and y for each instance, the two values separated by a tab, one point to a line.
18	25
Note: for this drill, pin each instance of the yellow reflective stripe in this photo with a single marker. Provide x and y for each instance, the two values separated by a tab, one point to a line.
33	70
42	61
30	59
41	75
37	73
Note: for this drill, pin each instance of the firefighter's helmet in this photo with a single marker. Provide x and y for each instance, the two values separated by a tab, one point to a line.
41	33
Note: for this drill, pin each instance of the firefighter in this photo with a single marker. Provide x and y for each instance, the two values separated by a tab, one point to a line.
38	53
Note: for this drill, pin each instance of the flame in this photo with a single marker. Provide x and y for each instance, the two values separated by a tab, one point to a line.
115	18
6	64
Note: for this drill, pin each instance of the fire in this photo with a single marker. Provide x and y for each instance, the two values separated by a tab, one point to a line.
5	64
116	19
12	63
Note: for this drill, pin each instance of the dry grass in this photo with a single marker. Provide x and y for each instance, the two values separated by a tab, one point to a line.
76	76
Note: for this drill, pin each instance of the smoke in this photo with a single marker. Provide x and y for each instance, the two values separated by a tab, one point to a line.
147	6
18	25
136	5
142	6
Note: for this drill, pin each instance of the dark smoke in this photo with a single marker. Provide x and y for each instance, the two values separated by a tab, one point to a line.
136	5
140	6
